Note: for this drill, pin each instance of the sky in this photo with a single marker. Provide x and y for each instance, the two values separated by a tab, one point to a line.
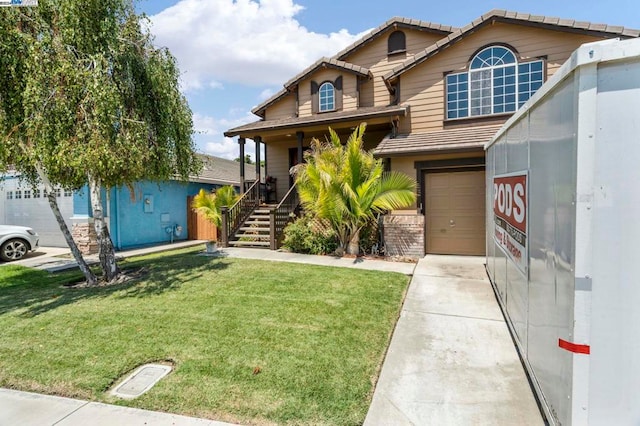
234	54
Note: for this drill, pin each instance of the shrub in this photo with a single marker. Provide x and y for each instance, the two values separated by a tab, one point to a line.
305	236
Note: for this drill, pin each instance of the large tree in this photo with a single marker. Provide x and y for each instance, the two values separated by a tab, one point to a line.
86	99
347	186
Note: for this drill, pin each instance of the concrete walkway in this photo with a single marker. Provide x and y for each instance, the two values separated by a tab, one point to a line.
55	259
451	360
30	409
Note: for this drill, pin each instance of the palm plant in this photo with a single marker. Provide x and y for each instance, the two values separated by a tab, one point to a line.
347	186
209	205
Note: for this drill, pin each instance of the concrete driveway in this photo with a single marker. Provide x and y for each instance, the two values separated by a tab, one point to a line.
43	255
451	360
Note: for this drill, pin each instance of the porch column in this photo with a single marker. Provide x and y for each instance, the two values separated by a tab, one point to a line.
265	160
241	142
300	136
258	141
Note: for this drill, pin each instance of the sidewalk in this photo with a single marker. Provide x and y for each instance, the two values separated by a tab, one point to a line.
55	259
451	360
30	409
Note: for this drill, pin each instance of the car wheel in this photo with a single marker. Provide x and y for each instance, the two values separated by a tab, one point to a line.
13	250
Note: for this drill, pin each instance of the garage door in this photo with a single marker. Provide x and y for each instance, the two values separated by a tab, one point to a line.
30	208
454	213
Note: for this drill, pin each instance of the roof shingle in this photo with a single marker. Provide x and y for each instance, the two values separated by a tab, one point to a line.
442	140
509	17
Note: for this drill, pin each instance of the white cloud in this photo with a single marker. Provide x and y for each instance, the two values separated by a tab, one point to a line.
251	42
210	139
266	94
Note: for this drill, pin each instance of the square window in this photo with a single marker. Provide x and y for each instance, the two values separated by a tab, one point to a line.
68	193
18	194
36	193
9	195
27	193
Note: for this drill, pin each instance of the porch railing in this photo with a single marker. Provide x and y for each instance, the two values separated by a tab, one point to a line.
281	215
233	217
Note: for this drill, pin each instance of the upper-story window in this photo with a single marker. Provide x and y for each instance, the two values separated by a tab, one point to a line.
327	97
396	43
495	84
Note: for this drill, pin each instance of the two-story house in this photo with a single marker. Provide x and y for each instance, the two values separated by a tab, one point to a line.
432	96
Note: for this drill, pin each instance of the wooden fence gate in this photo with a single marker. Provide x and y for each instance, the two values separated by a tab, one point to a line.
199	228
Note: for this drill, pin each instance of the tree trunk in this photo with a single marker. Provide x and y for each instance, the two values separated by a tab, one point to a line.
106	252
354	243
53	203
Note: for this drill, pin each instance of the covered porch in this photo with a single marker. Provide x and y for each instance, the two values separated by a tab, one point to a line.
281	145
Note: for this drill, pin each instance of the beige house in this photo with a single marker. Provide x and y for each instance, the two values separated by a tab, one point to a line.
432	96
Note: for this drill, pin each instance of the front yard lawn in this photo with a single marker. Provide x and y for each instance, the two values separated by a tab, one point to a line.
252	342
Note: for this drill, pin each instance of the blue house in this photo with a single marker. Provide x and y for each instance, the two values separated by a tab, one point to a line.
151	212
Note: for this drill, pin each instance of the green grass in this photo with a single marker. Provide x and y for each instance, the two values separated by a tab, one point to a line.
318	335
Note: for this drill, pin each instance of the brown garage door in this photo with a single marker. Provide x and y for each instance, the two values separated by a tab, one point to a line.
454	212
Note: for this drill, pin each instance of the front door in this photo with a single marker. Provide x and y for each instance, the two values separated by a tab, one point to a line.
455	212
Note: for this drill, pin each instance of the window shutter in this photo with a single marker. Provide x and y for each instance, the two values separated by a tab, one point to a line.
338	93
314	97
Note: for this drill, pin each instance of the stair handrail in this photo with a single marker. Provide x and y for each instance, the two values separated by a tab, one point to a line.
233	217
281	215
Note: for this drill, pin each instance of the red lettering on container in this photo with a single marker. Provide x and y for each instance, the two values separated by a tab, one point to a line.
510	200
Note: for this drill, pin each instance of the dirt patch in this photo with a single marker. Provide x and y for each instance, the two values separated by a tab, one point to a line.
125	277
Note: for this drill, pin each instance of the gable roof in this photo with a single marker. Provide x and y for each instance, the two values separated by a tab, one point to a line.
320	63
395	23
337	62
221	171
498	15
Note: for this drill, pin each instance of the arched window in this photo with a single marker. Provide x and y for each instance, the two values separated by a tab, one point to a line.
327	97
494	84
397	43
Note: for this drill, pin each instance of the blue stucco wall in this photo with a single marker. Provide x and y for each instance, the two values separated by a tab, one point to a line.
131	225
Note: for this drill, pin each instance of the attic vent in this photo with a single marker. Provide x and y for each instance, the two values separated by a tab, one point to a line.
397	43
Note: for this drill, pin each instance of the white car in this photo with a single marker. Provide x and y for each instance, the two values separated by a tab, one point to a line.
16	241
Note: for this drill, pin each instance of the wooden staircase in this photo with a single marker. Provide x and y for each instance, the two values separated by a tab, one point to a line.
251	223
255	232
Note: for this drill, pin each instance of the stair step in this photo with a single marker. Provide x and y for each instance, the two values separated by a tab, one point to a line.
255	229
250	243
250	235
261	211
256	222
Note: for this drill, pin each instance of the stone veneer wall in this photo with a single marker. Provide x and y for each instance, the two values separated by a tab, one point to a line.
84	234
404	235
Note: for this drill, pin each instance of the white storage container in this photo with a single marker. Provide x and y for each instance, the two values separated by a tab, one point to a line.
563	219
